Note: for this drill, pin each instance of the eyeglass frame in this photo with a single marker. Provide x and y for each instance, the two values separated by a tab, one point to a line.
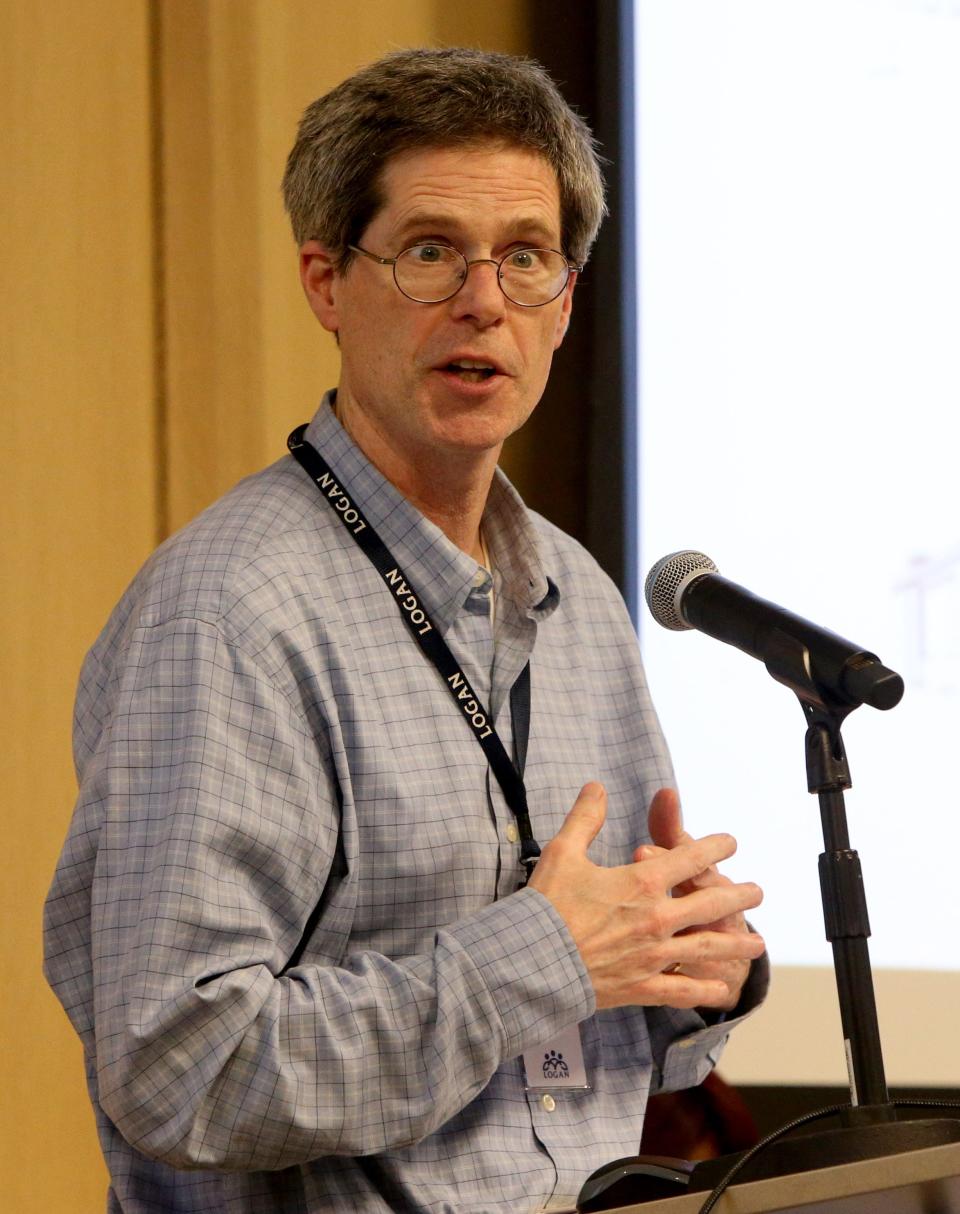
572	268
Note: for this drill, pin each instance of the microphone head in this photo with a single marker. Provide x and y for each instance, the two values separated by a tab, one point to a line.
668	580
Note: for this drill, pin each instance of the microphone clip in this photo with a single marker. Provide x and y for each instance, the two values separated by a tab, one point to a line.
788	661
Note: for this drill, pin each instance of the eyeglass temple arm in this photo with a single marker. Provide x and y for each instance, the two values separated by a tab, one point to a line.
383	261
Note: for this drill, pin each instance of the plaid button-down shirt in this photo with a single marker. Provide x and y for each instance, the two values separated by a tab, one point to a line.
286	921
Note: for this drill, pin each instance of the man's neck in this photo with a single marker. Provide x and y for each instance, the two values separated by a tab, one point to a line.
458	520
450	488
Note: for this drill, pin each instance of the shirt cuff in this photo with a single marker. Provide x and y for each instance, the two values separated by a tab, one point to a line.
690	1058
526	958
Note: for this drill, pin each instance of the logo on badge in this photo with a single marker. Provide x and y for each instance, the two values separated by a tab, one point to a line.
554	1066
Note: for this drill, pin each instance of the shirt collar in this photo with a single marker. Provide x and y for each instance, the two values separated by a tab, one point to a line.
516	552
441	574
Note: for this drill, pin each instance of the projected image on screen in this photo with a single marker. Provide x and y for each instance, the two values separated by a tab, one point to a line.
799	351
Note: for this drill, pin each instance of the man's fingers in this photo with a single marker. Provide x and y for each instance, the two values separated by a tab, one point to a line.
648	851
715	904
582	824
664	820
709	876
688	860
679	990
707	948
682	992
719	970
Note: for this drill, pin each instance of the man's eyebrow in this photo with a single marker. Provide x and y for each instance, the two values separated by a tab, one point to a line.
436	224
429	221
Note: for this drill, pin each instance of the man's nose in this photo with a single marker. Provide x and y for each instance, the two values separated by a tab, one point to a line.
480	298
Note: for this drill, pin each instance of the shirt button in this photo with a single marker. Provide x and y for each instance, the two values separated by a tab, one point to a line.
512	833
548	1102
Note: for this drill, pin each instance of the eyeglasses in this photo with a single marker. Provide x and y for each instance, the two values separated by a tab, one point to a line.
432	273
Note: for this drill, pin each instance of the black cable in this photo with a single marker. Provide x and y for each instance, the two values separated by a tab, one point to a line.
724	1184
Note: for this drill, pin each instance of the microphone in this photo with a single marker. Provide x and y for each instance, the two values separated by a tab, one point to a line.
685	590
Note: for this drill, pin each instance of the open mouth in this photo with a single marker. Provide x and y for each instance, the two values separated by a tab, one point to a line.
470	371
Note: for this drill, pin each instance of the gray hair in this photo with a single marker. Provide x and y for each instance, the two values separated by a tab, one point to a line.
434	98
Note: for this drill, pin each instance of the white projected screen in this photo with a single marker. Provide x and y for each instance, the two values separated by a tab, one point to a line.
798	201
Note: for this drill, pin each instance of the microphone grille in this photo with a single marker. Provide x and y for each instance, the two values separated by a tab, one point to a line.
666	582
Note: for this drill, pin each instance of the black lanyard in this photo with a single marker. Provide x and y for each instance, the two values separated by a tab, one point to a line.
409	604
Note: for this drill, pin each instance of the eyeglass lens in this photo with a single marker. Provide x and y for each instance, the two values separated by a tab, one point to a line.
430	273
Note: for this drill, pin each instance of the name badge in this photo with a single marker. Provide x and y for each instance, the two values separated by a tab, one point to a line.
557	1064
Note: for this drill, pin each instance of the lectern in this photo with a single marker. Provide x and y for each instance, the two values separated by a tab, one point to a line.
915	1182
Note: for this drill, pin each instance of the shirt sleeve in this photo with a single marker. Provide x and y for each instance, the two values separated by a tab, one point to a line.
688	1044
218	826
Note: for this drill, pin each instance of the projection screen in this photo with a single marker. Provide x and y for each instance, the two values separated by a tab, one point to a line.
798	262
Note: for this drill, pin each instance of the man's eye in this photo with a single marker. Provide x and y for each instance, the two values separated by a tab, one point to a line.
523	259
429	254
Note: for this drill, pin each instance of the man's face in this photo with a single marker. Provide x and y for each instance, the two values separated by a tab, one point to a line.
400	391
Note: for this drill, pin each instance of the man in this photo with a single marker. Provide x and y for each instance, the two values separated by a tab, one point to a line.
292	920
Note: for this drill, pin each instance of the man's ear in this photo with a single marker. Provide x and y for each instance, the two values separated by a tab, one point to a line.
318	274
563	320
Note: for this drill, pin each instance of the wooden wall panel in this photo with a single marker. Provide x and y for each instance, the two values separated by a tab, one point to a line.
78	499
155	347
246	360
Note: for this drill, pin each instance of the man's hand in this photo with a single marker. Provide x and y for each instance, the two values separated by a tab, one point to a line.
627	926
666	830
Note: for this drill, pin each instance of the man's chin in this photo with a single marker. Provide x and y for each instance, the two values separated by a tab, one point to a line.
476	426
473	436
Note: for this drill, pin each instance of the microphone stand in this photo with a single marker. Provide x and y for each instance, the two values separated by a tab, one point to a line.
868	1126
872	1125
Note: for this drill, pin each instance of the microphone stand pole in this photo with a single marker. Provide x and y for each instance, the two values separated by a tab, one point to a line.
869	1126
845	914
